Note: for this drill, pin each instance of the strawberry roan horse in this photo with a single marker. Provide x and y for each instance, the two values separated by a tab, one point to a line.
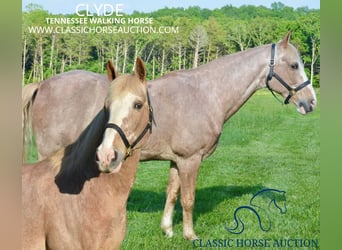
71	201
190	109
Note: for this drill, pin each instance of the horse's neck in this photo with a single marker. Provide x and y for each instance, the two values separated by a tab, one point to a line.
235	78
122	181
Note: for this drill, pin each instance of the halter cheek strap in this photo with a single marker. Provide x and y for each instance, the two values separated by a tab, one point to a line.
271	74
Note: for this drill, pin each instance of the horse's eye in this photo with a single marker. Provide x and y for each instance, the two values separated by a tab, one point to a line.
138	105
294	66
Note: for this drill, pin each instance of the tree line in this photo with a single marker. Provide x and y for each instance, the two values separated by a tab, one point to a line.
203	36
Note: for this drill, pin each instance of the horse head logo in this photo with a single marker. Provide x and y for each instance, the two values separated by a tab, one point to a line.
260	205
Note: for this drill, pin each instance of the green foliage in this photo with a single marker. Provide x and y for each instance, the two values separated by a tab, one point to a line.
229	29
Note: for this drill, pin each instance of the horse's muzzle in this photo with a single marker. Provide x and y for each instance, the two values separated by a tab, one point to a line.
109	161
305	107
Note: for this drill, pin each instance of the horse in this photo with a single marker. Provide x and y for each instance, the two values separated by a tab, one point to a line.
61	91
259	207
190	107
76	198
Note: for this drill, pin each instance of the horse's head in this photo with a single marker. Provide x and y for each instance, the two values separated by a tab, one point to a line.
129	117
280	202
272	196
287	77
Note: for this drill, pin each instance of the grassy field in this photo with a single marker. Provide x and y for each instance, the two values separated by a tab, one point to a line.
265	145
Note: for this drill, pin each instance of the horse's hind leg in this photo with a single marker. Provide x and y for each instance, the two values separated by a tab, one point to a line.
188	170
172	194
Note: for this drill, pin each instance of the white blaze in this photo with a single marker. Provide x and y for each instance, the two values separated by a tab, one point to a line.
119	110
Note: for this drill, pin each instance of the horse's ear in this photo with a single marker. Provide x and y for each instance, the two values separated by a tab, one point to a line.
111	73
286	40
140	70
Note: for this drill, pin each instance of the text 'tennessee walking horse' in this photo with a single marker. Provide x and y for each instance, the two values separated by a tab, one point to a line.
190	108
71	200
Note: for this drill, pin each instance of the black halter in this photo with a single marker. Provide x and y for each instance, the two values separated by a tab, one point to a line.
292	91
129	146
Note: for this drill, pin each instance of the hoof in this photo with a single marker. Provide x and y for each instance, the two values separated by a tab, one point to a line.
191	237
168	233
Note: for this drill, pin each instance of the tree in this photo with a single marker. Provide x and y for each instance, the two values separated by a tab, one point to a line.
203	35
312	31
181	41
33	43
216	38
198	40
261	31
306	34
240	34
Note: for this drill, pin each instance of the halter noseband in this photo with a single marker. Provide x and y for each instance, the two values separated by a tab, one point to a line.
292	91
130	147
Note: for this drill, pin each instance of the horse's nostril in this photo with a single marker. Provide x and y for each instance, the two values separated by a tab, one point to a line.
308	107
115	155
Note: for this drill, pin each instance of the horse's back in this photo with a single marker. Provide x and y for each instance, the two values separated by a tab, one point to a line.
60	101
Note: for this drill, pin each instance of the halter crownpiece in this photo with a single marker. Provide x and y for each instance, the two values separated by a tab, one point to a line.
130	147
292	91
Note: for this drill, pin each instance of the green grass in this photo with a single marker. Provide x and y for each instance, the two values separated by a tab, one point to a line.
264	145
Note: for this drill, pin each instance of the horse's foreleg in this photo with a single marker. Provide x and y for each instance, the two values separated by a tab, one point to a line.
188	171
172	194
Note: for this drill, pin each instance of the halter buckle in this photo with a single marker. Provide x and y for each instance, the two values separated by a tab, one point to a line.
129	152
292	92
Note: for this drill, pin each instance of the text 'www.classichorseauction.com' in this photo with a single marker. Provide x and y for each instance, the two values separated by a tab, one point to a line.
101	18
